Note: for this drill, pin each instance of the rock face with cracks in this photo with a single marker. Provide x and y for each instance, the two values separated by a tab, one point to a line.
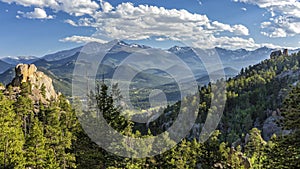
38	80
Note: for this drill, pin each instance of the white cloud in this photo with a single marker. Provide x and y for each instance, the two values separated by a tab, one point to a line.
126	21
285	17
39	3
265	24
106	7
161	39
244	9
236	29
78	7
240	30
217	25
72	7
69	21
37	13
227	42
199	2
279	32
275	33
130	22
81	39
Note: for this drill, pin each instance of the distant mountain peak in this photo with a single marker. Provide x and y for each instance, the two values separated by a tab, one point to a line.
177	49
22	57
14	60
119	42
132	45
241	50
63	54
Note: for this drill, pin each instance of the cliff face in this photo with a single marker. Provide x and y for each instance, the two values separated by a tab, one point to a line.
37	79
24	73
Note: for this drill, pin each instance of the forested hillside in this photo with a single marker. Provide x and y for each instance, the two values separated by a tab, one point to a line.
48	135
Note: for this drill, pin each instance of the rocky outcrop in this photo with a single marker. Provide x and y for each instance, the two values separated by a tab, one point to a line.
285	52
275	54
38	80
278	53
2	88
24	72
272	126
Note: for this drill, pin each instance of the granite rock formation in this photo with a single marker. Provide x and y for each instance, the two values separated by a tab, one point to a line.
275	54
37	79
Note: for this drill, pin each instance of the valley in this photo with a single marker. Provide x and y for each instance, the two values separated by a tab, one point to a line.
60	65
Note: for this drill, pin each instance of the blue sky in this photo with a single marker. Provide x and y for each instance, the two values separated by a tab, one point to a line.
30	27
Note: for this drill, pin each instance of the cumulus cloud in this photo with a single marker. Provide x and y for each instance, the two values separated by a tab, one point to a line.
72	7
81	39
40	3
240	30
290	7
126	21
37	13
236	29
276	33
285	20
106	7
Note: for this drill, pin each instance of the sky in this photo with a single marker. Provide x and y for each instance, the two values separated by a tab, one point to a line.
40	27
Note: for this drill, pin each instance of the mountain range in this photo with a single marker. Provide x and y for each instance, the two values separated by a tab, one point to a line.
60	65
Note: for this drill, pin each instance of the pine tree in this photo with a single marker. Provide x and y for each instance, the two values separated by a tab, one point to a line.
59	138
255	148
289	146
11	136
24	107
43	90
107	107
36	152
211	154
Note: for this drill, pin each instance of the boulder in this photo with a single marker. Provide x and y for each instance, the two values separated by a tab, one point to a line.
271	126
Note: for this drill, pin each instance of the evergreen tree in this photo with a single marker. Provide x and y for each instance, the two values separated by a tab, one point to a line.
11	136
288	146
24	107
107	107
36	152
255	149
211	154
59	137
43	90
